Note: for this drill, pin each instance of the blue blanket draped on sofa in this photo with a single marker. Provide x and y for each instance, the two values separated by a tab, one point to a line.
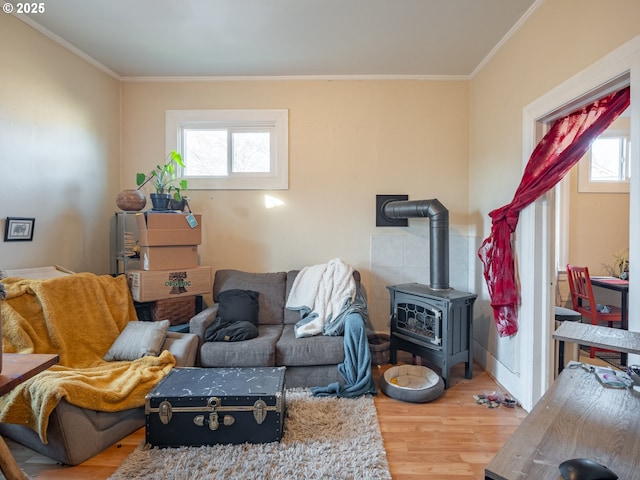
356	368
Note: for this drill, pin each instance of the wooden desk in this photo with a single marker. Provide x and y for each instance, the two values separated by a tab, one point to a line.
16	368
596	336
576	418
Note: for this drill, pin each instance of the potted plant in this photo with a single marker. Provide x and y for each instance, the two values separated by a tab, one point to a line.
164	179
622	264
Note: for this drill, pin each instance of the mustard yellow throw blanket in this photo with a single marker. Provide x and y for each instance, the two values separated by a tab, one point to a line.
78	317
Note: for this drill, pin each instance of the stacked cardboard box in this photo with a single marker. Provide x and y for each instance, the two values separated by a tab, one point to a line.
169	253
169	240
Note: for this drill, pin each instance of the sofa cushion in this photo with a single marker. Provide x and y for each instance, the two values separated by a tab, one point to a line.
257	352
137	340
237	305
271	287
308	351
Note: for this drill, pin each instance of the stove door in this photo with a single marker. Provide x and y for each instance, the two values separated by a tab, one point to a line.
418	318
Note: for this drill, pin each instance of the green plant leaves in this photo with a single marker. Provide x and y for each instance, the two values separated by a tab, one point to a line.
165	177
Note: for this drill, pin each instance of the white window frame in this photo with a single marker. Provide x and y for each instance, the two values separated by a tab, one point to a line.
584	169
274	121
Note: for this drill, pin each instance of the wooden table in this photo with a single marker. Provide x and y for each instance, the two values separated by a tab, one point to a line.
596	336
617	285
576	418
16	368
621	286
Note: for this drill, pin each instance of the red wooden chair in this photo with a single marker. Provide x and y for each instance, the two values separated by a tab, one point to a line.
584	301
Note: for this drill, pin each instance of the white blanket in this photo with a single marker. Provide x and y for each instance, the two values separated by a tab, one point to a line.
321	292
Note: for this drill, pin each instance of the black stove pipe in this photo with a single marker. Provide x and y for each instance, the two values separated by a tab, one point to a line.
438	233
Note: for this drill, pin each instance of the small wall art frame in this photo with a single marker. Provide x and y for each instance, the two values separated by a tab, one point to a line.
19	229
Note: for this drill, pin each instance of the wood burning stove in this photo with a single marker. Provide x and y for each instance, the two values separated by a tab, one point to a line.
430	321
436	325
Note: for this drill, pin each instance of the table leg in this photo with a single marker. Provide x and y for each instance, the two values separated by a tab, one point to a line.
8	464
624	324
560	356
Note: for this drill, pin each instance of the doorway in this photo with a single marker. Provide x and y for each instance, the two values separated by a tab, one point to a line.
592	211
535	238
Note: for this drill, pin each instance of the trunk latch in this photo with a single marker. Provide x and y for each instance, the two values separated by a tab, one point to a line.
259	411
165	412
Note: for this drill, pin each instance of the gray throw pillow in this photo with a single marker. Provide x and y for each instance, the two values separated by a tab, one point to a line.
137	340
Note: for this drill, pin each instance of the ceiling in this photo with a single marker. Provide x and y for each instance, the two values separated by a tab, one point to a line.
248	38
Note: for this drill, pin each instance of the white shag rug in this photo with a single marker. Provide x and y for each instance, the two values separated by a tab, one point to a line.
324	438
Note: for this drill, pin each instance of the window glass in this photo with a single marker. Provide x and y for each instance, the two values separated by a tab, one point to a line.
251	152
607	160
606	166
231	149
205	152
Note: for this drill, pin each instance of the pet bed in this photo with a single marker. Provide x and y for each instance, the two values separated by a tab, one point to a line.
412	383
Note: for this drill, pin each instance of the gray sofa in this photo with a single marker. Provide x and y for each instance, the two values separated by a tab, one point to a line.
310	361
76	434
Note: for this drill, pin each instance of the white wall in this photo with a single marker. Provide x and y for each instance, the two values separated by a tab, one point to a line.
59	148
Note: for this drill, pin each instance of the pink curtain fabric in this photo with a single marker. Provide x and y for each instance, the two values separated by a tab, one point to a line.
559	150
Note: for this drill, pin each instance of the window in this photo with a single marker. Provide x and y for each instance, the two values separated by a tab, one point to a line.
231	149
606	166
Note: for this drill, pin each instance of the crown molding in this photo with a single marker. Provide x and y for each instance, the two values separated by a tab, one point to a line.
176	79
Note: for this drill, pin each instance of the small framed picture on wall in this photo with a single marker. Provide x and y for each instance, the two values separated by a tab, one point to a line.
19	229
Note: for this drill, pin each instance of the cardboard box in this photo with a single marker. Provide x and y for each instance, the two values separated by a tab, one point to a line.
149	286
167	229
169	258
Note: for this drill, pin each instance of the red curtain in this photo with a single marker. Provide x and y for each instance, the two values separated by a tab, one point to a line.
559	150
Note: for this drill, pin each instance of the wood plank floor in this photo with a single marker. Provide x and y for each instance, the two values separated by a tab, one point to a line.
451	438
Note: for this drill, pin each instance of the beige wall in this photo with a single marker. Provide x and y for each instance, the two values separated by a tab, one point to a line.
59	147
562	38
61	129
599	222
599	226
348	141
